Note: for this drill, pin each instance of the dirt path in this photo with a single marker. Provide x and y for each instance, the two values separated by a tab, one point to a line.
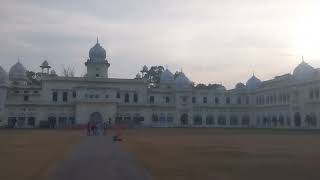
98	158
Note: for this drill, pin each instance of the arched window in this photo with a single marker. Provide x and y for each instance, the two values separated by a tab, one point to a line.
297	119
281	120
118	119
170	118
21	120
222	121
288	120
216	100
126	98
167	100
265	121
155	118
12	122
127	118
311	120
274	121
197	119
247	100
135	97
245	120
137	119
239	100
162	118
228	100
52	121
63	121
31	121
234	120
184	119
210	120
72	120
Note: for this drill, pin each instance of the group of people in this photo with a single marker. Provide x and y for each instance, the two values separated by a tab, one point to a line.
97	128
100	128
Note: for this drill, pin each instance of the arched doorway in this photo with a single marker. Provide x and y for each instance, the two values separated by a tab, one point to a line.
245	121
274	121
297	119
52	122
95	118
184	119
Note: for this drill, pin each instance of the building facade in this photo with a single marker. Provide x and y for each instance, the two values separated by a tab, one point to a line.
287	101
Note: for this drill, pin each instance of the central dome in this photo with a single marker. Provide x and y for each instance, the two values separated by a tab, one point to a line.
17	71
166	76
253	83
303	70
182	79
97	53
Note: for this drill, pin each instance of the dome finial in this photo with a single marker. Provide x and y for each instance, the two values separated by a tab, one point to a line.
97	40
302	59
18	59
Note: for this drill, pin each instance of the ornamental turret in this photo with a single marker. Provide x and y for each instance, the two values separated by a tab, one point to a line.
97	64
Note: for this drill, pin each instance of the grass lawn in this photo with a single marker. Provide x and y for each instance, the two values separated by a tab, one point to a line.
28	154
226	154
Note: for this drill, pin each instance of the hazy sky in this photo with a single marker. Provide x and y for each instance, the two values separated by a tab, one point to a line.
213	41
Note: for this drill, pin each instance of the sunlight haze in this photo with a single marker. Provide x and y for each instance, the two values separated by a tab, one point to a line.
212	41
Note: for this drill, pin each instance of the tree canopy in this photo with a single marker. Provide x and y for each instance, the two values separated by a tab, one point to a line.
152	75
34	78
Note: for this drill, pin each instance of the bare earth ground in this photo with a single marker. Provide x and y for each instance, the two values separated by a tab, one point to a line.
29	154
226	154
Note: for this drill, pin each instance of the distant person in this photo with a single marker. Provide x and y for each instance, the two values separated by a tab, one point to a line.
89	129
105	127
93	129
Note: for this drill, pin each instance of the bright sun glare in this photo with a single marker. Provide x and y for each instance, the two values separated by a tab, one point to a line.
304	36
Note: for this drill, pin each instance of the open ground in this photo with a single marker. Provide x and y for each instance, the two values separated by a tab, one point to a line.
30	154
226	154
174	154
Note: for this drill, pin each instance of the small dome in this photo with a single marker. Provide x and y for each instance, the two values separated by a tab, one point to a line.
53	72
3	76
17	71
166	76
221	88
97	53
45	63
303	70
240	85
181	80
138	76
253	83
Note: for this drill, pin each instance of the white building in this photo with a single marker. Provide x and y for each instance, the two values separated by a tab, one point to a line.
287	101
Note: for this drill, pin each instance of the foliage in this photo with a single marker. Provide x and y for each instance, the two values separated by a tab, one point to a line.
68	71
34	78
152	75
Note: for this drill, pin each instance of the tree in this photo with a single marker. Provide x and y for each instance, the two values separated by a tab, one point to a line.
152	75
34	78
176	74
68	71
